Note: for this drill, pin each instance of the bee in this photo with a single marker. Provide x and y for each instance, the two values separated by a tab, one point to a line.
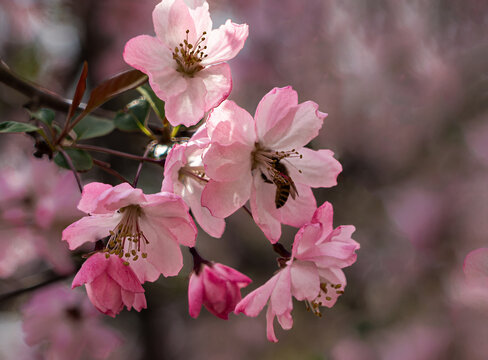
284	184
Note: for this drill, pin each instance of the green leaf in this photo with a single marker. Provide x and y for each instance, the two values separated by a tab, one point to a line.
133	117
16	127
82	160
156	103
44	115
91	127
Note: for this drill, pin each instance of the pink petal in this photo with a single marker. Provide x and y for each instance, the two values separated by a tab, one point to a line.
201	16
104	293
120	196
139	302
297	212
315	168
270	333
225	42
263	208
163	252
123	275
195	295
171	19
304	245
227	163
305	282
232	275
218	84
324	216
149	55
280	299
271	114
193	196
90	229
175	160
254	302
230	123
89	197
188	107
285	320
224	198
284	125
92	268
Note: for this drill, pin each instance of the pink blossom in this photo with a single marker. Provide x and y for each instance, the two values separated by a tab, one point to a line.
185	62
217	287
184	175
312	274
264	159
146	230
67	325
110	284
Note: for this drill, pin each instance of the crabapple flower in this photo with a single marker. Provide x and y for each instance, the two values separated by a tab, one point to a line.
312	274
145	230
185	62
264	159
217	287
67	326
184	175
110	284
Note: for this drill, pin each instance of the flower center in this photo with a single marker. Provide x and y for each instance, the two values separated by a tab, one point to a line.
126	239
189	56
273	171
328	292
193	172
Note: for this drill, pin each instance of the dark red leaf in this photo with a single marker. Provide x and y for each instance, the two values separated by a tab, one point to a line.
80	90
114	86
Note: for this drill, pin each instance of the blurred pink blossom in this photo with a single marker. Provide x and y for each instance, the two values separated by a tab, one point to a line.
66	325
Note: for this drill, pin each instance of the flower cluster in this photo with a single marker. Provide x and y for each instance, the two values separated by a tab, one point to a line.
229	159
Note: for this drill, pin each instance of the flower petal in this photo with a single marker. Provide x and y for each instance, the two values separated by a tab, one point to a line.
188	107
89	197
225	42
93	267
230	123
224	198
171	20
227	163
305	282
255	301
149	55
90	229
218	84
314	168
195	295
297	212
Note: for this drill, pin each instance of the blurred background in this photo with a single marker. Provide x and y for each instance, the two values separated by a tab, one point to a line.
405	84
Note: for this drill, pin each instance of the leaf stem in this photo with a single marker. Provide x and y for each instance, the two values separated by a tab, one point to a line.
71	166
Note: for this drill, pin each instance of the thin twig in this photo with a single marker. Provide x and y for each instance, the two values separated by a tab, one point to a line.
117	153
106	167
17	292
72	167
139	168
40	96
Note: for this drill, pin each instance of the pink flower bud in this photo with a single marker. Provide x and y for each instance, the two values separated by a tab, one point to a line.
217	287
110	284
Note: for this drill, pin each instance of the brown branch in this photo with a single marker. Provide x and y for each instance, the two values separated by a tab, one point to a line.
106	167
117	153
40	96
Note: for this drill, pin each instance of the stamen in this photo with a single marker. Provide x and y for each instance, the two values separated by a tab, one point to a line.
188	56
126	239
